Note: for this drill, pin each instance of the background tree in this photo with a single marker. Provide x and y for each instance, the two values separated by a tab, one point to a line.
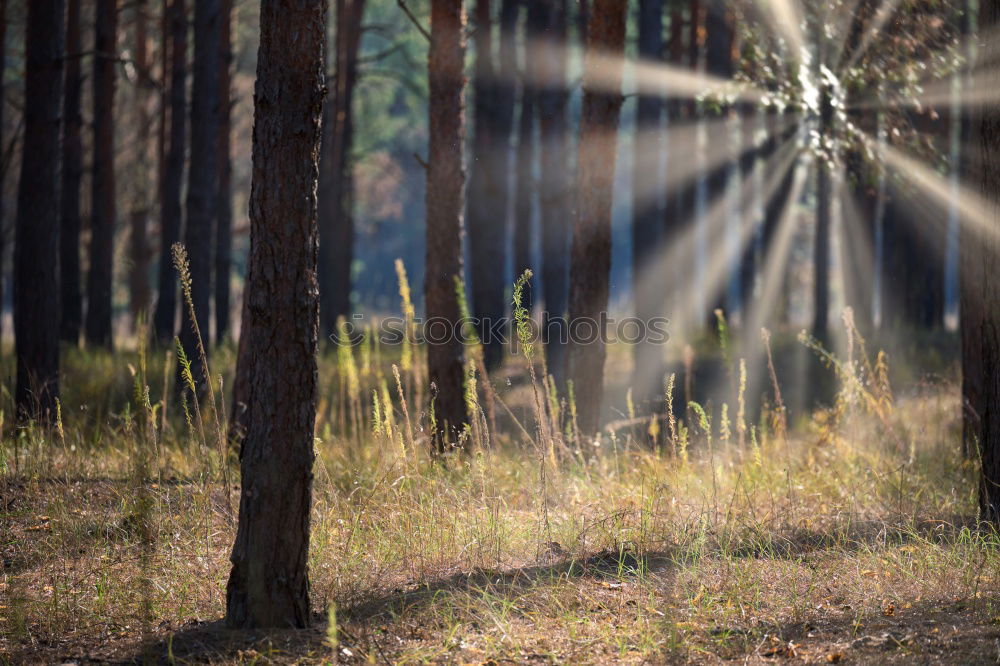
165	317
138	270
555	183
36	249
72	173
445	178
269	584
488	183
203	171
102	216
336	200
590	267
980	310
647	208
524	200
224	218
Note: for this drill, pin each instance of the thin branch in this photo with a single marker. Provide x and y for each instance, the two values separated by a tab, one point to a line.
413	19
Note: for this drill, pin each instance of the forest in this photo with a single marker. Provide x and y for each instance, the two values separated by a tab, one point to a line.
499	331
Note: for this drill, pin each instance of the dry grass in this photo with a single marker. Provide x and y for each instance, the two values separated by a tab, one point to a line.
853	538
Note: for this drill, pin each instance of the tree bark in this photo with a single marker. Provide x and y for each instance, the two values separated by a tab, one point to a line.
488	185
336	199
269	584
591	250
224	222
555	183
36	249
647	208
102	219
203	175
165	317
72	173
445	179
980	315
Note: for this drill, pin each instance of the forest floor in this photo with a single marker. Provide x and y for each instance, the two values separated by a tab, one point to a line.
852	539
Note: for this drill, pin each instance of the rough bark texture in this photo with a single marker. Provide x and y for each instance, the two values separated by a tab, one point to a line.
165	317
36	250
980	291
488	185
72	172
445	178
203	174
224	220
102	219
555	183
590	266
269	585
336	216
647	207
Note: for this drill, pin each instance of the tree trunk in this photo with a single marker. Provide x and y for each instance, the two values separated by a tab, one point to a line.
445	178
969	309
36	249
591	251
224	226
165	317
981	301
683	210
824	203
203	175
524	172
488	186
720	35
138	279
555	183
269	584
647	208
102	219
336	200
72	173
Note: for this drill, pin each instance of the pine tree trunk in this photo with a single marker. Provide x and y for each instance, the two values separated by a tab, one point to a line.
269	584
647	208
488	186
224	226
165	317
524	198
981	293
102	219
445	178
71	317
590	267
138	279
336	208
720	34
203	176
824	202
555	183
36	249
